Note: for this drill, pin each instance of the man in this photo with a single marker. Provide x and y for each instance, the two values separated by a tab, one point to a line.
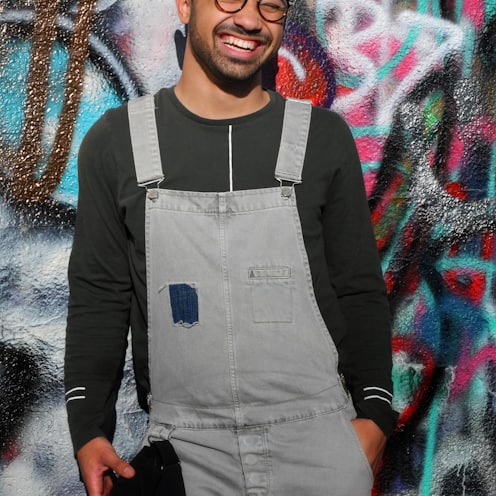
258	249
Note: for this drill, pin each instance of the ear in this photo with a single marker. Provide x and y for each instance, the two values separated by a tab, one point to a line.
183	10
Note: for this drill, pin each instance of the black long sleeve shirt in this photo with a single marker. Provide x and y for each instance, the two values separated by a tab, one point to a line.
107	265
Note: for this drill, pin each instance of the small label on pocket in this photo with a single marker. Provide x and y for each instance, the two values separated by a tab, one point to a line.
255	273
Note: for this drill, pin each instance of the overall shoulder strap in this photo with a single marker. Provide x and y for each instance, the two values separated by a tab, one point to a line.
296	124
144	140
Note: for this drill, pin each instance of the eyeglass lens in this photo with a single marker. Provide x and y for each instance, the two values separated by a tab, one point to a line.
270	10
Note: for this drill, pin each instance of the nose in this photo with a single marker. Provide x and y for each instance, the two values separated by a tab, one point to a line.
249	17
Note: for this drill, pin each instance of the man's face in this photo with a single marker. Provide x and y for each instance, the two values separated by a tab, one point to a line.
232	47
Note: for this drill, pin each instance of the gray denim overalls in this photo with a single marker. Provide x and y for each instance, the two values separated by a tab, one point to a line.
243	369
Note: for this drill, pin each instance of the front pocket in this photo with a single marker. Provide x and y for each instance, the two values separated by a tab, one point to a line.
357	446
271	291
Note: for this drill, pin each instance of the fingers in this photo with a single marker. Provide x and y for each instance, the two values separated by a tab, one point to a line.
95	458
372	439
107	484
94	485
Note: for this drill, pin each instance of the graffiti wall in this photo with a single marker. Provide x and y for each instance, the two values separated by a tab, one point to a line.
416	82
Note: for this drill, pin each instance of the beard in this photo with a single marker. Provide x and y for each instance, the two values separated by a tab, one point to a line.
220	67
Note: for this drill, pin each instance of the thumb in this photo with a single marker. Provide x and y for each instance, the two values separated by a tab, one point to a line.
119	466
123	469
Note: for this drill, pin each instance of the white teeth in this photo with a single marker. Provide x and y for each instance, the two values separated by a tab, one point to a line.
237	43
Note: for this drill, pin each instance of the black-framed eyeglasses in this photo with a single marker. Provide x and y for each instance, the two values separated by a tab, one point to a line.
270	10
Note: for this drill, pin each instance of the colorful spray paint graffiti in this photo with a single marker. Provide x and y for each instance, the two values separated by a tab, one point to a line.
415	80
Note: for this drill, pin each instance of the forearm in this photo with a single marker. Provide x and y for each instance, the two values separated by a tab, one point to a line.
93	370
365	350
366	364
355	274
100	294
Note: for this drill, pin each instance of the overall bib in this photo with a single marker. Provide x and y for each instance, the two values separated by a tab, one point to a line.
242	367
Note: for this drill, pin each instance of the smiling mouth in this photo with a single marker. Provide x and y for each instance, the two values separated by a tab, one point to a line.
239	44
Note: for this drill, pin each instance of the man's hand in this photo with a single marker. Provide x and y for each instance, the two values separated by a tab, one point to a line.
373	441
95	458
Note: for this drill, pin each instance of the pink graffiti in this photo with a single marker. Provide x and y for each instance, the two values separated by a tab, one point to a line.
467	368
419	353
474	10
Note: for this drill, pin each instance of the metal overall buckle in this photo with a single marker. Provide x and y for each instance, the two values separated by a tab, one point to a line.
287	188
152	192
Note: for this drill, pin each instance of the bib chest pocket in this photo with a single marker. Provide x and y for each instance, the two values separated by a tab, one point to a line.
271	292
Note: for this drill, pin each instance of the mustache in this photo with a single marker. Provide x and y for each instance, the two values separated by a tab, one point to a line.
243	33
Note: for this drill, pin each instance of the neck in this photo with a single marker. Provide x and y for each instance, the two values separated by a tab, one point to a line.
212	99
217	103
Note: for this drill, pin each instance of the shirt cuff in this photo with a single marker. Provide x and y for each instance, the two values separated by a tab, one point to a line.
378	411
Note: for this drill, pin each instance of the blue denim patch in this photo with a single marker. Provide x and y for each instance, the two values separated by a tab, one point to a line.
184	304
